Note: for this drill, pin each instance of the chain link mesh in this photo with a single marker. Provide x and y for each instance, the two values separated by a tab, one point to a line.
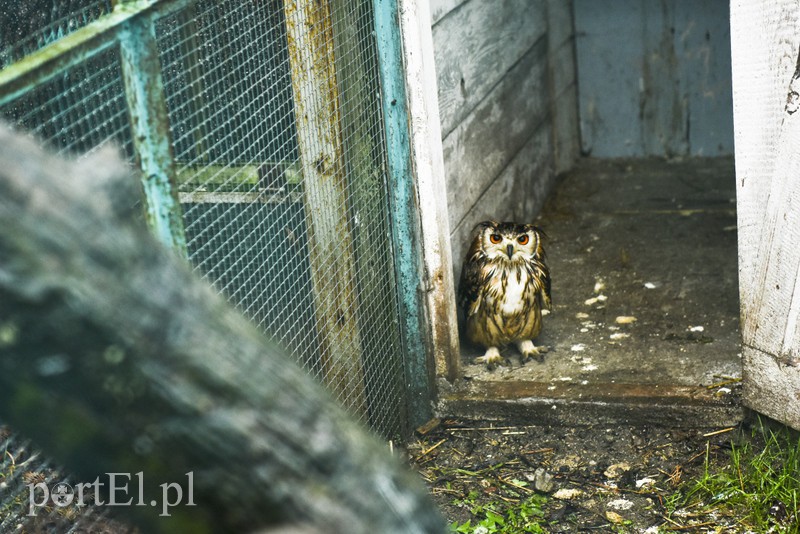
286	213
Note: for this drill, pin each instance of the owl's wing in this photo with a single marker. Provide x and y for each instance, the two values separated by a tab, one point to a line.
545	302
470	286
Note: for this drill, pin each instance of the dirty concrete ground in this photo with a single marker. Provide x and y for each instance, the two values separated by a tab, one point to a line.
591	478
641	384
643	257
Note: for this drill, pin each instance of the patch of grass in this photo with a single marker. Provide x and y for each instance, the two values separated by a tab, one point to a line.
755	486
499	517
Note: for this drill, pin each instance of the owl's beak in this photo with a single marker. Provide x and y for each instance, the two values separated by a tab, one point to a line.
510	249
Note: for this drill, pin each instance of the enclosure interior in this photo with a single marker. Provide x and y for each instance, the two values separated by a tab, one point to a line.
627	165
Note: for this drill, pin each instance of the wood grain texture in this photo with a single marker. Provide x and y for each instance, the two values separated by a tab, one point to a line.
771	388
429	171
765	48
488	139
764	43
115	357
476	46
441	8
331	249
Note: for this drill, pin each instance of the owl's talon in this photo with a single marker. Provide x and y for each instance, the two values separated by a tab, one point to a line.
529	351
491	358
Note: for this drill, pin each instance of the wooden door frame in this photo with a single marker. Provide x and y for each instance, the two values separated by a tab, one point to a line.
765	48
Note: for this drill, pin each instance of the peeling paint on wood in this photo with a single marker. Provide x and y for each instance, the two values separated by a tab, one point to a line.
408	255
426	149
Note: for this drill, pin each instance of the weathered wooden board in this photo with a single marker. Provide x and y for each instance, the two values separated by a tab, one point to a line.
654	77
764	44
481	146
441	8
765	55
476	46
563	89
426	150
331	247
566	138
560	27
518	193
704	67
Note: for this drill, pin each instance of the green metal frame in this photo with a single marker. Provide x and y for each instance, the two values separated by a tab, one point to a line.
129	26
420	375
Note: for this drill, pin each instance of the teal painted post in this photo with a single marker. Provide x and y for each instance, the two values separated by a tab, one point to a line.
419	367
147	108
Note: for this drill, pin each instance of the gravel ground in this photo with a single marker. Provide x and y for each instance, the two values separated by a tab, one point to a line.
618	478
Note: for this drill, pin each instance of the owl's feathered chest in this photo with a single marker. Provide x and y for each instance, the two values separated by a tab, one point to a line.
505	304
507	291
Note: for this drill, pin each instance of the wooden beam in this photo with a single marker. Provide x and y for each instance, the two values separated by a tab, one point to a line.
431	196
420	369
331	249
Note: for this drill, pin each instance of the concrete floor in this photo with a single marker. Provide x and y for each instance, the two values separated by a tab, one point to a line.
645	322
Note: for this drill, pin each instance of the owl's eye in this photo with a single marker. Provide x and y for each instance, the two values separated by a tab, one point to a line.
523	239
495	238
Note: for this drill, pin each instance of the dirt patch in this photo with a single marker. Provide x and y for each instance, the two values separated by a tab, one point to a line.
607	478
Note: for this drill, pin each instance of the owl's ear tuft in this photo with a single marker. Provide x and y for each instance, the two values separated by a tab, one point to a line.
483	225
538	230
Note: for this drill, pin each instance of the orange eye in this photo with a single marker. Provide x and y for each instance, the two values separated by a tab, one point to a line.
495	238
523	239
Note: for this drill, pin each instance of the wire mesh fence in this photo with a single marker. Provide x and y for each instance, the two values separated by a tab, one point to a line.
276	158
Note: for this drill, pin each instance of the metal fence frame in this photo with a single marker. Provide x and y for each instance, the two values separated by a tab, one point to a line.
131	27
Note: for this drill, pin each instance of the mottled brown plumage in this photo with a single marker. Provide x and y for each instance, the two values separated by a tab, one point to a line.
505	285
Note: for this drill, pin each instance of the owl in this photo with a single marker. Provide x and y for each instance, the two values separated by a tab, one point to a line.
505	285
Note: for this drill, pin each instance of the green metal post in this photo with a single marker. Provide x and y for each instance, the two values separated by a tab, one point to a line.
419	366
147	108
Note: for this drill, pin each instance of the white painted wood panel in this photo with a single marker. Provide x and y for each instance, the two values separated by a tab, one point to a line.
765	46
476	46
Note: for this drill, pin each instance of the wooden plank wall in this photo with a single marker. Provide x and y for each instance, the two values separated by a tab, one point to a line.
508	107
654	77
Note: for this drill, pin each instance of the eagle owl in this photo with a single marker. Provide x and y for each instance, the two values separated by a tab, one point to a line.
504	287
